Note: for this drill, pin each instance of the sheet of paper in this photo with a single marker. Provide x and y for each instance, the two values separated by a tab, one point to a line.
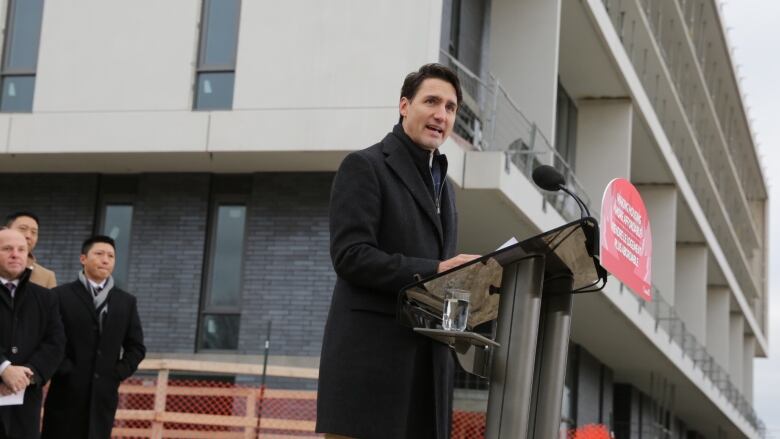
512	241
13	399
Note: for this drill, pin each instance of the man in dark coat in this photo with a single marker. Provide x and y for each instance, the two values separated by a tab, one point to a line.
392	216
32	341
105	345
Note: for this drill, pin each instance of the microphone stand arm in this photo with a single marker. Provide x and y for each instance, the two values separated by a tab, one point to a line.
583	208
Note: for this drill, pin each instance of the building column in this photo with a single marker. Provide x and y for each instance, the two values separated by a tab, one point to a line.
524	39
690	296
736	348
718	324
749	349
661	204
603	144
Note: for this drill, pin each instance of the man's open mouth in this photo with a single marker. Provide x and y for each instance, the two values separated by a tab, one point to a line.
435	129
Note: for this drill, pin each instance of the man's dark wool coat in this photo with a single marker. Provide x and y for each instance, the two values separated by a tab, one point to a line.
378	379
82	398
31	335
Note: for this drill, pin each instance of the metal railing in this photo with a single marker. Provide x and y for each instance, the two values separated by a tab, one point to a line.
721	174
667	320
495	122
492	121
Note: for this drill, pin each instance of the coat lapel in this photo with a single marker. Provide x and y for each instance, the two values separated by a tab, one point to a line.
449	222
5	297
401	162
85	297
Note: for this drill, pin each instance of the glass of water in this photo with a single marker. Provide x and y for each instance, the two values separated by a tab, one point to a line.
456	309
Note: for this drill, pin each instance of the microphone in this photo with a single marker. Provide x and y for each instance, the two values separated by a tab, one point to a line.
549	179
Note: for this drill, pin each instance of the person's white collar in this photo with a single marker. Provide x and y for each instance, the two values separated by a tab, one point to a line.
97	285
4	281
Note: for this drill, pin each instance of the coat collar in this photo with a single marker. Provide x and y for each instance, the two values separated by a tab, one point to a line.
20	291
400	160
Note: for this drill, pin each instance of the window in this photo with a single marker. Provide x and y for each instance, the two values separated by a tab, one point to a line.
569	400
566	149
117	221
565	131
463	45
217	55
20	55
221	303
464	28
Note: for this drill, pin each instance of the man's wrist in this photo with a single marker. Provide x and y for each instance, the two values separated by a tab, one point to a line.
4	365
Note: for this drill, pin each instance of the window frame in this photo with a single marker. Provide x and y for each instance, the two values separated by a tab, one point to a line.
101	230
201	67
204	308
8	39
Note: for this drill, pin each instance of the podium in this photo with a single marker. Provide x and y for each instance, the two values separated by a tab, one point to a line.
521	297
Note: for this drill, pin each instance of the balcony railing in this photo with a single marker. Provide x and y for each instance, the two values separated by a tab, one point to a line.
702	125
668	321
492	121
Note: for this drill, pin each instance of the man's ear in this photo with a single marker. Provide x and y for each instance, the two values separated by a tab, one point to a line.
403	107
82	259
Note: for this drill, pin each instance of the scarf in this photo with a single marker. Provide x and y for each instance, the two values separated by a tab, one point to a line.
99	299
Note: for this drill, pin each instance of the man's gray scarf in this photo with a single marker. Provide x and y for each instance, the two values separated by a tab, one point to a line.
99	299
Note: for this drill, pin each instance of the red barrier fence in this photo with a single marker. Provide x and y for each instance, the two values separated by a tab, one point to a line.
159	407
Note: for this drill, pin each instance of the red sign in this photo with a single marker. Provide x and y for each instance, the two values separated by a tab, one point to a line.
626	243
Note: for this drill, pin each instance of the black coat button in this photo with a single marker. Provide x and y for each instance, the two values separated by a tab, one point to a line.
97	375
14	350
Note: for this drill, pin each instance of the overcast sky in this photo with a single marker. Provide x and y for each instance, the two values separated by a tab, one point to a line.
754	32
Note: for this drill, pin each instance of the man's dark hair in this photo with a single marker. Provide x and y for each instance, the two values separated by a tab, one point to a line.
16	215
89	242
434	70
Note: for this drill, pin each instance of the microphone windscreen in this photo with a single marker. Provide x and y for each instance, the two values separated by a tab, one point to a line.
548	178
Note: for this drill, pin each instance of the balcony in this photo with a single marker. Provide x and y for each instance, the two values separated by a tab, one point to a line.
490	121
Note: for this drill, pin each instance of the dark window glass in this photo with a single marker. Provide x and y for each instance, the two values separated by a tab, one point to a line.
117	222
21	48
17	93
217	56
215	91
565	130
228	249
219	331
220	33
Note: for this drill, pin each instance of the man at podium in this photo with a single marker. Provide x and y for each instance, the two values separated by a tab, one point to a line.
392	217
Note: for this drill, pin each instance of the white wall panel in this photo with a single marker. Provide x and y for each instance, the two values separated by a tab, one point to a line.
98	55
339	53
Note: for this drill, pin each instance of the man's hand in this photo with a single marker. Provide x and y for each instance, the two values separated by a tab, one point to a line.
16	378
454	262
5	390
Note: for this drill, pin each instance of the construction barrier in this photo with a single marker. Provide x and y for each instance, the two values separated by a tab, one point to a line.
159	407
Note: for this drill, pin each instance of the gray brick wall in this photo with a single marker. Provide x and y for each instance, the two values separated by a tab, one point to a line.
166	257
288	277
65	204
